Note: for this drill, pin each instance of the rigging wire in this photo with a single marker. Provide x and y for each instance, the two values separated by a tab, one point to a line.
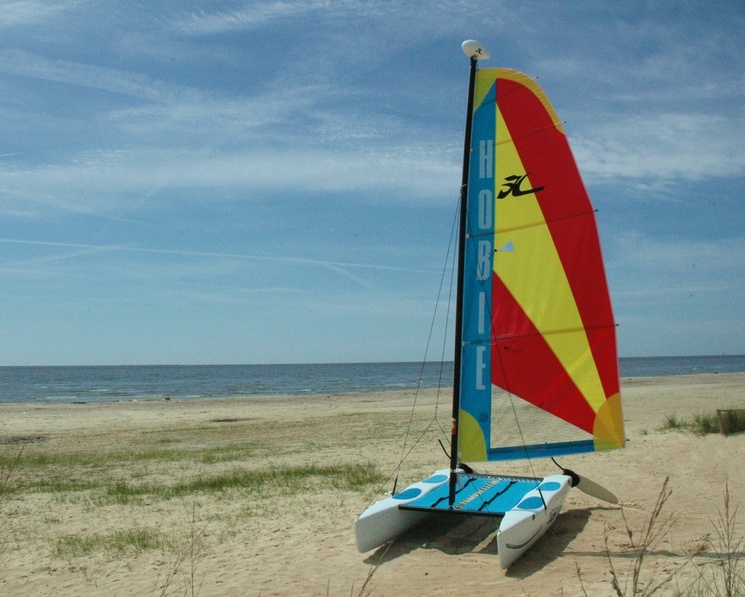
448	262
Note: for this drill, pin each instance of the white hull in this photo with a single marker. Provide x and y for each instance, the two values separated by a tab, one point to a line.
524	524
521	526
384	520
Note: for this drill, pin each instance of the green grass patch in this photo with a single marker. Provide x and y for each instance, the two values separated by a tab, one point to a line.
110	487
135	540
288	480
226	453
704	424
103	460
98	460
696	424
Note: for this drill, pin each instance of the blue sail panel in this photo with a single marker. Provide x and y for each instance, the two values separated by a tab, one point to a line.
475	418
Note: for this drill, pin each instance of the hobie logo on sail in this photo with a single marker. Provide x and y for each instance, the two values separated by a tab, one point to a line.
485	219
479	329
512	185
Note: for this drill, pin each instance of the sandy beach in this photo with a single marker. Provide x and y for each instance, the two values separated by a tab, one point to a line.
123	499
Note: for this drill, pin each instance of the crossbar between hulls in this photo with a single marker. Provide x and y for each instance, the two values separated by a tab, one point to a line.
484	495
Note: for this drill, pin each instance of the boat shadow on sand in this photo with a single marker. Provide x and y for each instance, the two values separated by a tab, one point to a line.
455	534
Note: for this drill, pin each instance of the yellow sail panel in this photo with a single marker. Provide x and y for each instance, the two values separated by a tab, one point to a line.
521	224
608	429
484	86
471	440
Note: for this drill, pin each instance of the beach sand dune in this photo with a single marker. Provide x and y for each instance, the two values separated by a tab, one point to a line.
122	498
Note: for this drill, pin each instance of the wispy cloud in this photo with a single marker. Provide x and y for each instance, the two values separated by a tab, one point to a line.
664	146
31	12
680	255
247	17
26	64
88	249
109	180
438	16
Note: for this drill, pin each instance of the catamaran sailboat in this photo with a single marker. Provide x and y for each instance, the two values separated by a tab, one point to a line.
535	364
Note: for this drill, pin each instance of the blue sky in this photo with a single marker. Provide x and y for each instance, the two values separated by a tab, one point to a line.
275	182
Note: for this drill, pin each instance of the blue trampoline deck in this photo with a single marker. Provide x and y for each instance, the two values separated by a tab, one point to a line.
476	494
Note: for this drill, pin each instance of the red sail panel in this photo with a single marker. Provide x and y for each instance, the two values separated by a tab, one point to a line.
525	365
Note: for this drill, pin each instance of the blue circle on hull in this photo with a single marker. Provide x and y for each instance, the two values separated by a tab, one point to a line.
436	479
550	486
408	494
531	503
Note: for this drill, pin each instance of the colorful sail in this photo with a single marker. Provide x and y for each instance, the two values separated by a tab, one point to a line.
539	364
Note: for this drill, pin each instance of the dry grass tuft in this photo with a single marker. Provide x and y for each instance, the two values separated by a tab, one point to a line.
725	577
722	577
632	581
5	482
653	532
185	563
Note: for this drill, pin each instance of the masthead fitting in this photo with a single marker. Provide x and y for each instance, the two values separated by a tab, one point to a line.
475	50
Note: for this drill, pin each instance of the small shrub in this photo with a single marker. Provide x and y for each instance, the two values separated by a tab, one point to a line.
704	424
672	422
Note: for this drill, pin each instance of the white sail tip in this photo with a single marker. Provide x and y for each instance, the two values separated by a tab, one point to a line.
474	49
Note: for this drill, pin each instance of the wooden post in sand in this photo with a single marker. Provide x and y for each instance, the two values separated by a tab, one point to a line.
730	420
723	420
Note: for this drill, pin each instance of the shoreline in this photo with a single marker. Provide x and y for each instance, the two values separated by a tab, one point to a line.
634	380
19	418
124	383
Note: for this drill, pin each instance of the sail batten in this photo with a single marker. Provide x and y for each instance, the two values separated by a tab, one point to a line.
547	332
503	230
513	140
537	319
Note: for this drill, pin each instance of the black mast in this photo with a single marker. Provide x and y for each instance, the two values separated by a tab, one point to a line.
474	51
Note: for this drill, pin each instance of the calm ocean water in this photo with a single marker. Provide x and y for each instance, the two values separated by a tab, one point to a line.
107	384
